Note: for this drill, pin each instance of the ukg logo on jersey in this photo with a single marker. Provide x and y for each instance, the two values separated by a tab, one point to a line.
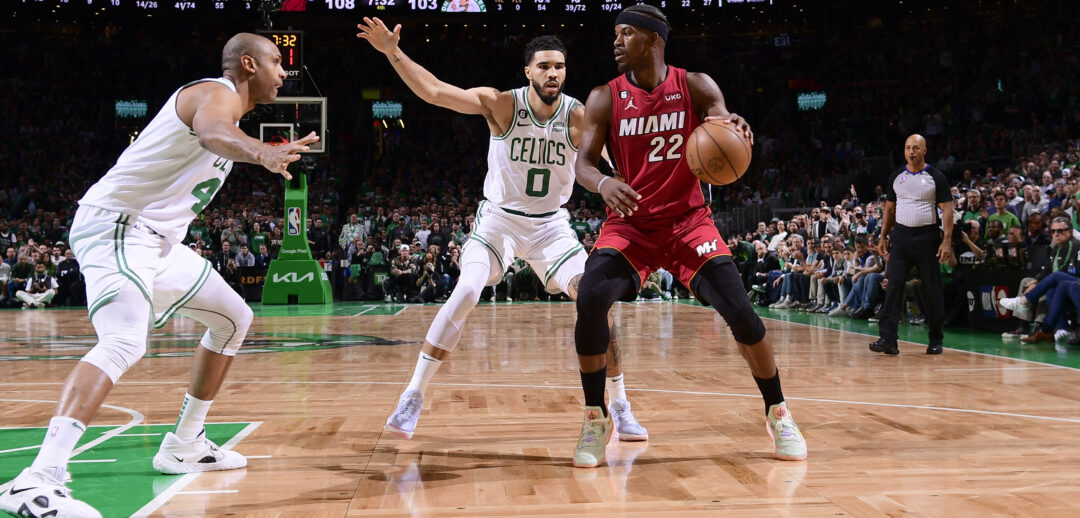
294	221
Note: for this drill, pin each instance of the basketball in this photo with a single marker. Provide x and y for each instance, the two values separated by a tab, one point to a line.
717	153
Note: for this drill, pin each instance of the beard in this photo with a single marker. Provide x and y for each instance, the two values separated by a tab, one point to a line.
623	67
547	99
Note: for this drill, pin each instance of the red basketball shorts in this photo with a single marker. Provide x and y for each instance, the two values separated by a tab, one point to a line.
681	246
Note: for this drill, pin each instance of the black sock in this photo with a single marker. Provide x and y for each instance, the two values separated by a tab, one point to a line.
593	384
770	390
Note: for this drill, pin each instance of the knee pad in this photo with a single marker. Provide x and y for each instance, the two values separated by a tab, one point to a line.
718	285
225	334
445	330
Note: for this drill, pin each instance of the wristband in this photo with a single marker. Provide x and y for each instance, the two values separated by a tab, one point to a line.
606	178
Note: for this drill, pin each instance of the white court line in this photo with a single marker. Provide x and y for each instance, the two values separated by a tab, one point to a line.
963	369
136	418
369	308
24	448
137	434
998	356
91	461
259	456
179	485
209	492
402	310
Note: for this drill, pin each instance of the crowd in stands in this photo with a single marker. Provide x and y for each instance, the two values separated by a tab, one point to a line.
1023	218
403	212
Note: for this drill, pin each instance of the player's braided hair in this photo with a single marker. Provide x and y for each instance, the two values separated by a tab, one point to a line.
650	11
542	43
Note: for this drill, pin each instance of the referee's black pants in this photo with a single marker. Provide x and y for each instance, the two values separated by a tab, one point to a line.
913	246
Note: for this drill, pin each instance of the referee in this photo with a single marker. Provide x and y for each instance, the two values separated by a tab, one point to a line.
913	196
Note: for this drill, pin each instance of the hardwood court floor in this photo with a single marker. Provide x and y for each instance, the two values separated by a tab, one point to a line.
959	434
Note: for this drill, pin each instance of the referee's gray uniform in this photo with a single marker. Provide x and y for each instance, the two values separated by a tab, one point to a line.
916	237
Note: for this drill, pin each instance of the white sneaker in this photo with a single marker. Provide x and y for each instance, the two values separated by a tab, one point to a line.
35	494
787	439
1061	335
626	425
176	457
403	421
1018	305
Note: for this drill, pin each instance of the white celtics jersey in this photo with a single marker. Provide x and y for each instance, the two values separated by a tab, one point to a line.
165	177
531	166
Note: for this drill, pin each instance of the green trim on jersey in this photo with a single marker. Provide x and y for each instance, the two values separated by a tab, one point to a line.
559	263
482	241
513	121
554	115
121	257
203	276
105	297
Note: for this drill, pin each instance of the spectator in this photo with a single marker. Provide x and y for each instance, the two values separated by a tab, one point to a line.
1003	216
258	237
351	231
245	257
71	291
39	289
21	272
263	259
319	240
865	276
5	278
402	280
423	234
1036	233
744	255
1065	255
767	261
222	258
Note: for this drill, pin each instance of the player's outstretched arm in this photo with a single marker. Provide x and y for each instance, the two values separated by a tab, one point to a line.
709	102
474	101
216	110
618	196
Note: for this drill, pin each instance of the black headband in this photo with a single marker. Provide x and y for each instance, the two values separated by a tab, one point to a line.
645	22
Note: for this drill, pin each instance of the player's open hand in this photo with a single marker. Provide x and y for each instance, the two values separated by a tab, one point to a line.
737	121
378	35
278	158
619	197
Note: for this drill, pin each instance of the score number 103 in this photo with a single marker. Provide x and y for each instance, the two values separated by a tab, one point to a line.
413	4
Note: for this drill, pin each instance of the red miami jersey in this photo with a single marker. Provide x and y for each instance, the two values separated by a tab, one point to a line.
647	139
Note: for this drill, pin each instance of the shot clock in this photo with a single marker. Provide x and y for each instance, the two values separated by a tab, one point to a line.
291	46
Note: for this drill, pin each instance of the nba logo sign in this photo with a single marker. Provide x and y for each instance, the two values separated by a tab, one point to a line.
294	221
990	297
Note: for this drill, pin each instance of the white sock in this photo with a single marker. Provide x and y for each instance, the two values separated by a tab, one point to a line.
63	434
615	388
426	367
192	418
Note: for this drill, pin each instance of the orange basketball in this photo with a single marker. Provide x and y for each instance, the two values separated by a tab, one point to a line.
717	153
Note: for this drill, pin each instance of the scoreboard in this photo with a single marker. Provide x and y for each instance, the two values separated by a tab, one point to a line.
378	7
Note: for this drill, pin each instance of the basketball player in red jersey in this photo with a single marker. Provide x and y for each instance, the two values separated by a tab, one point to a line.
658	218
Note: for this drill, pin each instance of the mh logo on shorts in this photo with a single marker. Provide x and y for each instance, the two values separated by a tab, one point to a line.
707	247
294	221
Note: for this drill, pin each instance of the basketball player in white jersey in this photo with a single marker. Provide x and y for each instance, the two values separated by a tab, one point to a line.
127	236
534	136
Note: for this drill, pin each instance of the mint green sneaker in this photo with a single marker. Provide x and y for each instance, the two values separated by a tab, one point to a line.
595	434
789	442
